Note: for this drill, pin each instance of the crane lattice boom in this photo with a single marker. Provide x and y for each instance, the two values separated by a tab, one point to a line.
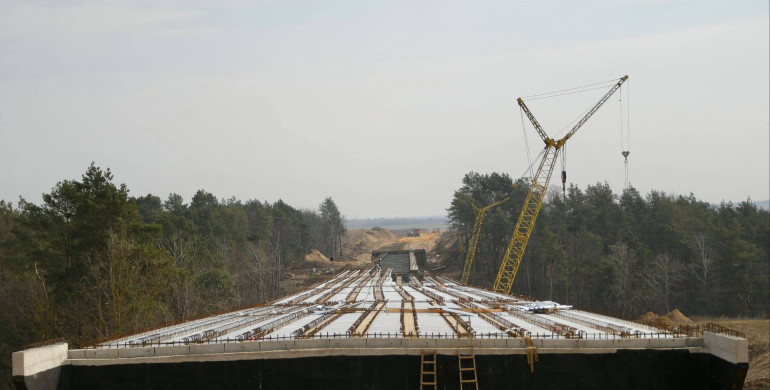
537	191
473	242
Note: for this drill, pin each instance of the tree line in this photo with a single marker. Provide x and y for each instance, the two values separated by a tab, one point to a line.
92	261
624	253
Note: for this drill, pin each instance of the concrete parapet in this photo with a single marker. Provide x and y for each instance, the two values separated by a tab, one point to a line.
383	343
76	354
135	352
277	345
490	343
696	342
560	343
668	343
252	347
196	349
388	346
632	343
318	343
236	347
172	350
730	348
421	343
515	343
344	343
38	368
101	353
35	360
446	343
608	343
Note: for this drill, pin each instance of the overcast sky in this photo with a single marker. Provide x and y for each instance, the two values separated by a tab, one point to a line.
382	105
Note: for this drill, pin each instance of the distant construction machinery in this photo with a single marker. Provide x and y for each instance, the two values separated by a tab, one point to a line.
474	240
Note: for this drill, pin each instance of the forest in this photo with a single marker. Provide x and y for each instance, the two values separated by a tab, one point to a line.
624	253
91	261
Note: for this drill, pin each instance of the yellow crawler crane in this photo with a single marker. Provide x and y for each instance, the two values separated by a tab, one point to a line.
537	190
475	238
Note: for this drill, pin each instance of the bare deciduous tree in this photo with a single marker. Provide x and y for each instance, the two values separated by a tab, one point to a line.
186	268
661	276
702	268
623	265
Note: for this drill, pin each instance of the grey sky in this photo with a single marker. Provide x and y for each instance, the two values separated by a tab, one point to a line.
303	100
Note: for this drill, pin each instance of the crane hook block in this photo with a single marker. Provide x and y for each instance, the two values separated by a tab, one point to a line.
563	177
626	153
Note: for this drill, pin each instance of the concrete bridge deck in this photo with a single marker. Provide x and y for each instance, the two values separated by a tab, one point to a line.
437	308
362	315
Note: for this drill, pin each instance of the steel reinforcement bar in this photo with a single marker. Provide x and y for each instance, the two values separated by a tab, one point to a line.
564	330
593	323
363	322
260	331
365	278
497	321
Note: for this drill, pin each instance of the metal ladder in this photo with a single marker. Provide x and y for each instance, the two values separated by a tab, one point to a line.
428	370
468	371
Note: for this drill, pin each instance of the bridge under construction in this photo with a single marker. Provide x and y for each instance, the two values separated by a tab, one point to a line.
368	328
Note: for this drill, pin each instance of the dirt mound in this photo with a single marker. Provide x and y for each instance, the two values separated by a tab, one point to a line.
671	319
314	259
425	241
358	244
655	320
646	318
315	256
363	239
678	318
378	235
447	246
448	257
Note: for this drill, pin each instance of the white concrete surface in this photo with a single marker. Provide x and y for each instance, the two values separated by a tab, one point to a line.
386	322
430	324
35	360
729	348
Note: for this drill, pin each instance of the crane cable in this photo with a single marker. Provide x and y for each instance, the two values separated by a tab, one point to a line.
532	164
571	123
625	138
526	143
570	91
